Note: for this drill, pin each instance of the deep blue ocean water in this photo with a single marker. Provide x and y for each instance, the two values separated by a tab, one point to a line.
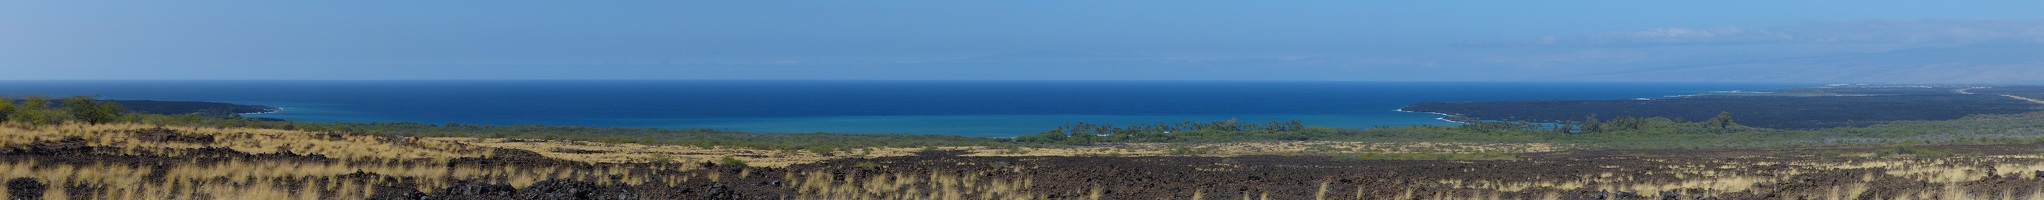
977	108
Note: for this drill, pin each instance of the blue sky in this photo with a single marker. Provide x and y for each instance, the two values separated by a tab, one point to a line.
1094	40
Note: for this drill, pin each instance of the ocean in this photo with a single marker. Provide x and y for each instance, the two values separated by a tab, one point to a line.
972	108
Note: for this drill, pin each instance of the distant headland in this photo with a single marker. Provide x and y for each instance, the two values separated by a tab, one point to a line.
185	107
1830	106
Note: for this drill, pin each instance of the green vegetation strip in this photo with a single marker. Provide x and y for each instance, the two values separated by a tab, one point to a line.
1627	133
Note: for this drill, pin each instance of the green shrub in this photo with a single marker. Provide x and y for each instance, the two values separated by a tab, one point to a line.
6	108
93	111
821	150
1190	151
733	161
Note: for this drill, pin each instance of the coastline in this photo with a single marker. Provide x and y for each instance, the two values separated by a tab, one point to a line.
272	109
1444	116
999	111
1846	107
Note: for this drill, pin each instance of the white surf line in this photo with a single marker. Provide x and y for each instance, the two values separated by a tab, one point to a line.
1444	116
1963	91
278	109
2024	98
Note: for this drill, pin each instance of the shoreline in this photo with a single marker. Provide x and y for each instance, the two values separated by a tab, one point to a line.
1444	116
265	111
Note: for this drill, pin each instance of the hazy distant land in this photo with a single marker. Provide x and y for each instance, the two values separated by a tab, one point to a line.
153	156
1799	108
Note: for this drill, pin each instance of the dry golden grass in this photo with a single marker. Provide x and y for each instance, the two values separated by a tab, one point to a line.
1949	173
237	178
822	185
426	159
1260	148
254	141
595	152
258	179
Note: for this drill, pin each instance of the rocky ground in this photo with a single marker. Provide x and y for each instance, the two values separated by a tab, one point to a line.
1925	172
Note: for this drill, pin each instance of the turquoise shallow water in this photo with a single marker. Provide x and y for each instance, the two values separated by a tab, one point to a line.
978	108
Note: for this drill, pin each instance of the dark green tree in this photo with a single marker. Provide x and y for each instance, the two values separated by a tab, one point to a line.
6	108
93	111
1051	136
1591	125
33	102
1722	122
32	112
1082	136
1563	128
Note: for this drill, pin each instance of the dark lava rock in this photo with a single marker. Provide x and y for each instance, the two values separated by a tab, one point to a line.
67	145
514	157
25	188
359	176
168	135
394	193
942	153
554	189
720	191
330	135
478	189
558	189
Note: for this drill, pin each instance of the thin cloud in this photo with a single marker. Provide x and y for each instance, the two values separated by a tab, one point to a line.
1847	32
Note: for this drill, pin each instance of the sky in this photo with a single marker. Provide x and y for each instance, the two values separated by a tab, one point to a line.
969	40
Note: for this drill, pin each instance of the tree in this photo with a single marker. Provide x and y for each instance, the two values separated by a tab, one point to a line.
32	112
32	103
1051	136
93	111
6	108
1721	122
1591	125
1564	128
1229	125
1083	137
